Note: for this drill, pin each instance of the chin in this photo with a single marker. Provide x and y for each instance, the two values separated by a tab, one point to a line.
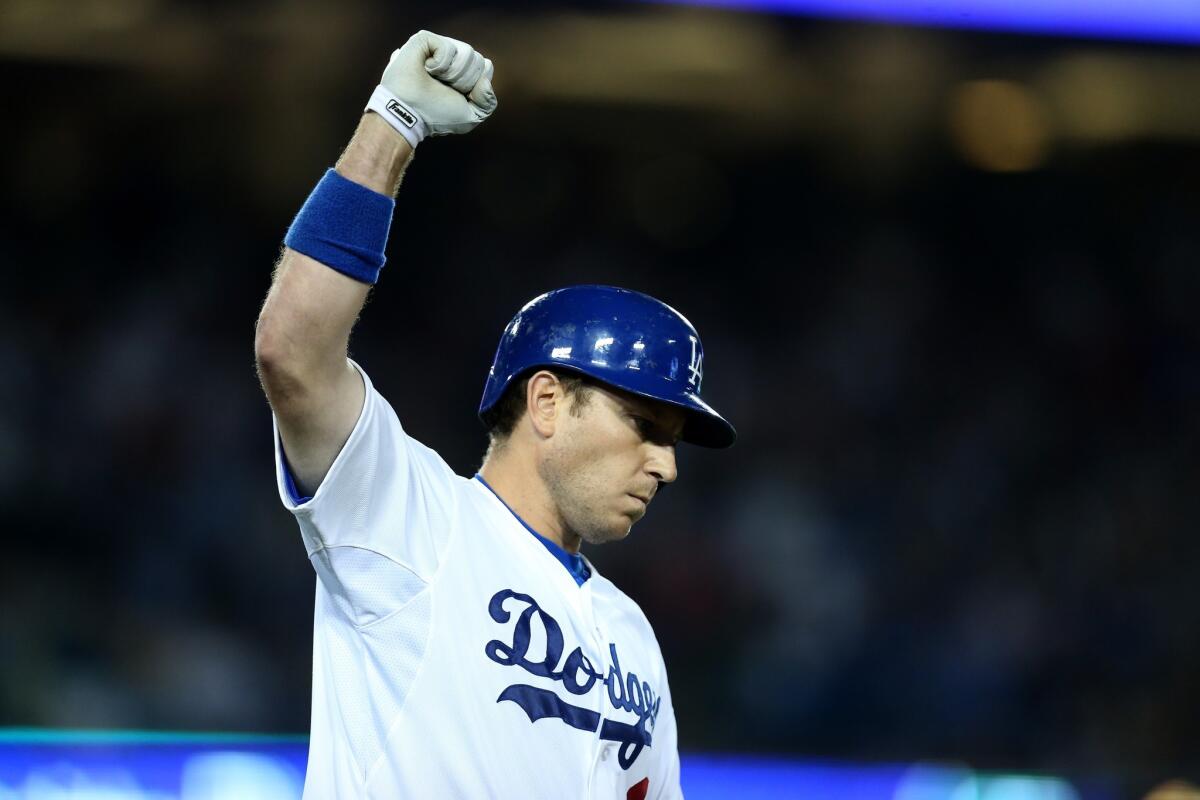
614	534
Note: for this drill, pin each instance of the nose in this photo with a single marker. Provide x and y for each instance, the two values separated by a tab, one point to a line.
661	463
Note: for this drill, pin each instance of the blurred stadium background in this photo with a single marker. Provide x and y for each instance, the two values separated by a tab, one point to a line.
947	278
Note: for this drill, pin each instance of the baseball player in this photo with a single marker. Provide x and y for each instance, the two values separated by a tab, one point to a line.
462	646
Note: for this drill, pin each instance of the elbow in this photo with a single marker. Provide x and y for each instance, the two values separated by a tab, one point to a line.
267	344
297	365
280	370
268	347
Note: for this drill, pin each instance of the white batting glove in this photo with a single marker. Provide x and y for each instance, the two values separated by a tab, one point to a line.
434	85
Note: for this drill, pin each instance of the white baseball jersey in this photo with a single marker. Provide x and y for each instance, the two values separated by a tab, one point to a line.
458	654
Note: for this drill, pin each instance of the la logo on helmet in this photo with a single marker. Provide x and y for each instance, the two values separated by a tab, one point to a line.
696	367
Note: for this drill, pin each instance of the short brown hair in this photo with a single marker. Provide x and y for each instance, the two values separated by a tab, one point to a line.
501	419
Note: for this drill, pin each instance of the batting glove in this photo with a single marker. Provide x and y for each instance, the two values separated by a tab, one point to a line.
434	85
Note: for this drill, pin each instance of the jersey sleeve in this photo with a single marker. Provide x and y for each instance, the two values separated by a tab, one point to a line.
377	526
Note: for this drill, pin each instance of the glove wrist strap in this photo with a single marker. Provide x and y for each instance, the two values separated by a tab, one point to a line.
398	114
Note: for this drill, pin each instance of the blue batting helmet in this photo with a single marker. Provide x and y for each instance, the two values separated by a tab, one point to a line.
620	338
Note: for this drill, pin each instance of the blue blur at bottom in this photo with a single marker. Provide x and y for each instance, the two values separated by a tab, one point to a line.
705	777
144	765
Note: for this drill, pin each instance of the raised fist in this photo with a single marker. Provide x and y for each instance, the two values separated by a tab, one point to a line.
434	85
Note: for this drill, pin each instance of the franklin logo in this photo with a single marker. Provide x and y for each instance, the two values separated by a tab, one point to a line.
402	113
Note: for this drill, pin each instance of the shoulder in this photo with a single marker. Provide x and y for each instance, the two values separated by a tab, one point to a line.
622	609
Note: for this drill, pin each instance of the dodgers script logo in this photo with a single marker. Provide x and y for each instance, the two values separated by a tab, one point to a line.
578	676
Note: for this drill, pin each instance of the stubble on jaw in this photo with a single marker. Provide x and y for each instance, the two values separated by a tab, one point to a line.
576	504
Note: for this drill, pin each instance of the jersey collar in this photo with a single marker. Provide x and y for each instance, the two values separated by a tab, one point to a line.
576	567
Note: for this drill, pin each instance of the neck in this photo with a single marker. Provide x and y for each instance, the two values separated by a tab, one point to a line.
515	479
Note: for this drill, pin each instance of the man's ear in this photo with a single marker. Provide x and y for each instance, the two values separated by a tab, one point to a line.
545	402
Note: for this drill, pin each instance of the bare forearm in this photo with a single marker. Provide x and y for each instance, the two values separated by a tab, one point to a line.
376	157
432	85
303	332
305	323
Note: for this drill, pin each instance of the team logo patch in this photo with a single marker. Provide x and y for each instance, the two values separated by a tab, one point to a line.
626	692
401	113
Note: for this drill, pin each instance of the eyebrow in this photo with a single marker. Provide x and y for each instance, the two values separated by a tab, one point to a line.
659	429
632	404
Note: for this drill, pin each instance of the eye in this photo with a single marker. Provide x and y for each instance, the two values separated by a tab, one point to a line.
650	431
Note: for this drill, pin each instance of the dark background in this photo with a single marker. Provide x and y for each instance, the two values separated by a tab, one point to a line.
946	283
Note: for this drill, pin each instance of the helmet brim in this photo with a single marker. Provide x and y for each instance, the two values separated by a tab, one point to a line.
703	426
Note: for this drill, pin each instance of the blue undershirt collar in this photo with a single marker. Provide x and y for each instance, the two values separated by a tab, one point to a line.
289	483
577	568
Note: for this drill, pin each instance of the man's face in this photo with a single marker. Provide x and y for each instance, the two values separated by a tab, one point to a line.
607	459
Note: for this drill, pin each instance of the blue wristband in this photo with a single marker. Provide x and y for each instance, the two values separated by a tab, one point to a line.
344	226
